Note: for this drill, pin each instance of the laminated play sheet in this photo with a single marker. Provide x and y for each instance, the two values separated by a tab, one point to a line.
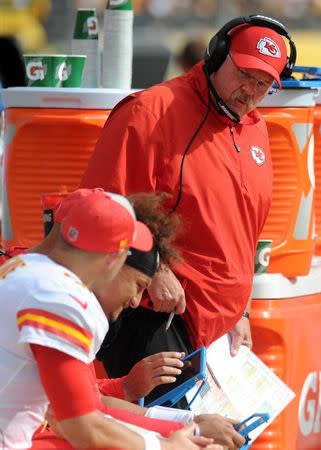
240	386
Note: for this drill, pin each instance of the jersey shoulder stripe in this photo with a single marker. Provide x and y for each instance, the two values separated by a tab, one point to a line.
61	327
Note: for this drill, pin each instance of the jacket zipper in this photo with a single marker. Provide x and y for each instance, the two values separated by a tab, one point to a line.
236	146
238	149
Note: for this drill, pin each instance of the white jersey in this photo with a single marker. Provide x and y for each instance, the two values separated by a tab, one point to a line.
44	303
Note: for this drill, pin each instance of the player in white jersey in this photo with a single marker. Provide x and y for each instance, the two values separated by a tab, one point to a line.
49	321
51	307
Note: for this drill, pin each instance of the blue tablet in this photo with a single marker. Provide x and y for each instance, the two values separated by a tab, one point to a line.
194	370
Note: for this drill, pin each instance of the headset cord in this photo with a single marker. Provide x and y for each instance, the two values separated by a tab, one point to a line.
204	118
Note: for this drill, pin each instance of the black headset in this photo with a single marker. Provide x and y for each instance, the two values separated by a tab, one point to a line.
219	45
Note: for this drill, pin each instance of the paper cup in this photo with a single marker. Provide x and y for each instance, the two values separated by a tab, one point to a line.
90	48
262	256
45	70
74	71
117	58
86	26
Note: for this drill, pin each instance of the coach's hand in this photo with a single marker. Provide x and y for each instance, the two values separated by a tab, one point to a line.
166	292
240	335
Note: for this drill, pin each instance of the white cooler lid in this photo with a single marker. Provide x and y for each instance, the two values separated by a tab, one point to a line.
291	98
78	98
276	286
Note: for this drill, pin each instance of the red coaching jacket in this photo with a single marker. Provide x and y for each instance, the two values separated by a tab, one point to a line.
226	193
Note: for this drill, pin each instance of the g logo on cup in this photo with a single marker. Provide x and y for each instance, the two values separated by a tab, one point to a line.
35	70
91	26
61	72
262	256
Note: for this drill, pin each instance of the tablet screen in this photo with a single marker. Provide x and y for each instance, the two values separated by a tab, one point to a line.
192	367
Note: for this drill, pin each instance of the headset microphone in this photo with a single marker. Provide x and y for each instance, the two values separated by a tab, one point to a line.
220	104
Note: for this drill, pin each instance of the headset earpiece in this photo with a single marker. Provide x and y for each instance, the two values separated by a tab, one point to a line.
218	46
290	61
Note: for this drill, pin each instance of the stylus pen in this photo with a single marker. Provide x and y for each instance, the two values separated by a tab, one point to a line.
170	320
172	314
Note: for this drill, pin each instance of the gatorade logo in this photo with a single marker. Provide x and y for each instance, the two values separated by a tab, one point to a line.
257	155
36	70
263	256
310	405
65	71
91	26
61	72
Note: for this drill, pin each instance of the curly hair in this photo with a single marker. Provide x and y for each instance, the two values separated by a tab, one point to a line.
150	209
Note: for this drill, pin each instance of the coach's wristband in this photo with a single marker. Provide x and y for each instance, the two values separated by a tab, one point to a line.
151	442
246	314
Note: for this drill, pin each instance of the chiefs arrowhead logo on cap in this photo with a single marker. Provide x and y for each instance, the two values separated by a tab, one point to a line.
268	47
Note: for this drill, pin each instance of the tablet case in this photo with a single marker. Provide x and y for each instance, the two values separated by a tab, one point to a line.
171	397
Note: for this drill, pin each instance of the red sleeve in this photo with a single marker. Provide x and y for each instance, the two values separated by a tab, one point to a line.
69	383
130	144
72	391
112	387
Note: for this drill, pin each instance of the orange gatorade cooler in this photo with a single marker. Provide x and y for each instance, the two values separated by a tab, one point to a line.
290	223
49	134
286	331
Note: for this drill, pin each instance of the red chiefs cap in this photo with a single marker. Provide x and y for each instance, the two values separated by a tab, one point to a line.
259	48
103	223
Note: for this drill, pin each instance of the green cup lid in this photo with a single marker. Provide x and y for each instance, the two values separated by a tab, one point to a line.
121	5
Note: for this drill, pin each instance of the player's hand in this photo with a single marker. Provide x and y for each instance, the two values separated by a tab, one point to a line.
166	292
152	371
221	430
184	439
240	335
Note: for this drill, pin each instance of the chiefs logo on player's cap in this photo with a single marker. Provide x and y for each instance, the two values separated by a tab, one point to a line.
258	155
268	47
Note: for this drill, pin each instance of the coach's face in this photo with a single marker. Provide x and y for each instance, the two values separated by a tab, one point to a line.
242	90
